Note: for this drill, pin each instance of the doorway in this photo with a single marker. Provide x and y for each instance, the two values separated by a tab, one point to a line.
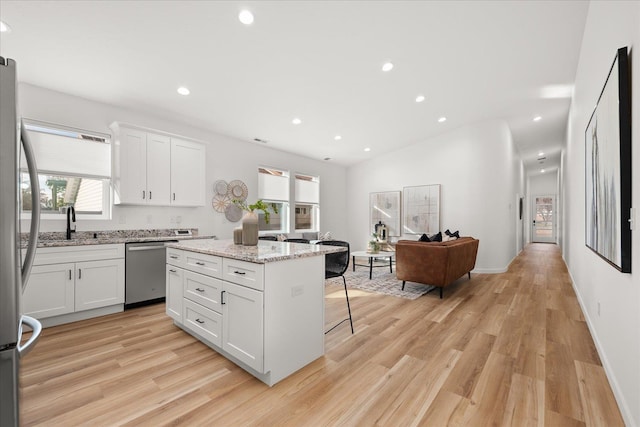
543	227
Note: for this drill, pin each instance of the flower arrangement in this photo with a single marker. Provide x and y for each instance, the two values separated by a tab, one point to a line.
259	205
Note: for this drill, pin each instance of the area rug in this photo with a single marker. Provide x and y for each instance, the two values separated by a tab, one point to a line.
382	282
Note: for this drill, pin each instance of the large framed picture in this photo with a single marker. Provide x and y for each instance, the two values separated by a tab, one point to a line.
385	207
421	209
608	169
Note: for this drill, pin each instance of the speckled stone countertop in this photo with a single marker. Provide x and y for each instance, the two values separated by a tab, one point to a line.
54	239
266	251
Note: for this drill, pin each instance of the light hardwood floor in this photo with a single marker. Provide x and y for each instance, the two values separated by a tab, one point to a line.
504	349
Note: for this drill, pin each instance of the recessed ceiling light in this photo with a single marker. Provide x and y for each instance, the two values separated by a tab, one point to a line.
337	137
387	66
541	170
442	119
537	118
183	91
540	154
296	121
4	28
245	17
419	98
367	149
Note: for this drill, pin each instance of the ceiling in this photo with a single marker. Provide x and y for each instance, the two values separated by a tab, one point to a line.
319	61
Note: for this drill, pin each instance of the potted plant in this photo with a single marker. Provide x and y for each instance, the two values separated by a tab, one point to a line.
374	244
250	219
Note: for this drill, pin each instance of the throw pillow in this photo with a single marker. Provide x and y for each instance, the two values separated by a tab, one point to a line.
424	238
436	237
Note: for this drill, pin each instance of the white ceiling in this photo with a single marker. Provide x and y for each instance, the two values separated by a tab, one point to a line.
316	60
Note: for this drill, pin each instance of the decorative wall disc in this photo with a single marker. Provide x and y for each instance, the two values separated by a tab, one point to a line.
221	187
220	202
233	213
238	190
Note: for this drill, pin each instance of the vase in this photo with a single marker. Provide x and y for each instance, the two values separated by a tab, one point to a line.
250	229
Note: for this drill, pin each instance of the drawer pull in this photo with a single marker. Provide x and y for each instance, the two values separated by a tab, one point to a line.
173	256
199	290
172	271
200	321
69	274
242	273
222	298
199	263
79	273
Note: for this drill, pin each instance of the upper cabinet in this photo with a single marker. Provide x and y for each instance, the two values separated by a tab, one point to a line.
156	168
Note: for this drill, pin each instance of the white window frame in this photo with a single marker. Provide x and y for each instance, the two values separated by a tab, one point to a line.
309	197
39	126
275	191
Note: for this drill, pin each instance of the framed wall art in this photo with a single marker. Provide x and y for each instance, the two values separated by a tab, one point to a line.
608	169
421	209
385	207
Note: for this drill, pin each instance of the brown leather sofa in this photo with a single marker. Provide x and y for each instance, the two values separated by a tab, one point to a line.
435	263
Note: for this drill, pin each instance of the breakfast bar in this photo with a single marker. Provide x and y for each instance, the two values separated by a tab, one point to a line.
262	307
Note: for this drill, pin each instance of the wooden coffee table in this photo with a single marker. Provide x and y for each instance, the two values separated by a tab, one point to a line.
371	256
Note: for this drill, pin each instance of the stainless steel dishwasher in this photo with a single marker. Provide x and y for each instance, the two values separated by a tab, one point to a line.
144	273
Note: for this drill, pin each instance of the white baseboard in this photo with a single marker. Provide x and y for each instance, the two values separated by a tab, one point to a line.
489	270
622	403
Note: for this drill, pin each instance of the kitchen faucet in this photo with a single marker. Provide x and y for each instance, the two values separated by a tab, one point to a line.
71	216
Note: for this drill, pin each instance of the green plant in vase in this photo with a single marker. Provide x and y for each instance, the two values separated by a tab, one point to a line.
374	244
250	219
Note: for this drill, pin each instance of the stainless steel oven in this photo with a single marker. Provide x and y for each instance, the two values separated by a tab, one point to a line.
144	273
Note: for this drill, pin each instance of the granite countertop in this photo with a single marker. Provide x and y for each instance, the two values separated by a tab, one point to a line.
105	237
265	251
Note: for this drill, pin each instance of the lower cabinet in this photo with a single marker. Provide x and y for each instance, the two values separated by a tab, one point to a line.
50	291
242	328
99	283
268	318
226	315
72	279
174	293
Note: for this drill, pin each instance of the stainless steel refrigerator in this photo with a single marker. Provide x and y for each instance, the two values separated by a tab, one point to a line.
13	272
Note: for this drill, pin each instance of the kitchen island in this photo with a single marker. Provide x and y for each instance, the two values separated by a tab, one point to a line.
262	307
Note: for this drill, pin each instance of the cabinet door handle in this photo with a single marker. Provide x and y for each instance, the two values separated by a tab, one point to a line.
172	271
150	195
222	297
174	196
173	256
200	321
199	290
242	273
143	194
199	263
79	273
70	274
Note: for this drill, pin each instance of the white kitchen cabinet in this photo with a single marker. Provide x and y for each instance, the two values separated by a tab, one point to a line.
99	284
242	327
187	173
174	293
50	291
266	317
156	168
158	160
69	280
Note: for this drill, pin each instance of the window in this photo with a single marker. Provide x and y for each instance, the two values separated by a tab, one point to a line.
273	187
74	169
307	207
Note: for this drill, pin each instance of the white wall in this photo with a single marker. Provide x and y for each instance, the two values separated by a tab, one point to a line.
478	171
227	158
616	330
